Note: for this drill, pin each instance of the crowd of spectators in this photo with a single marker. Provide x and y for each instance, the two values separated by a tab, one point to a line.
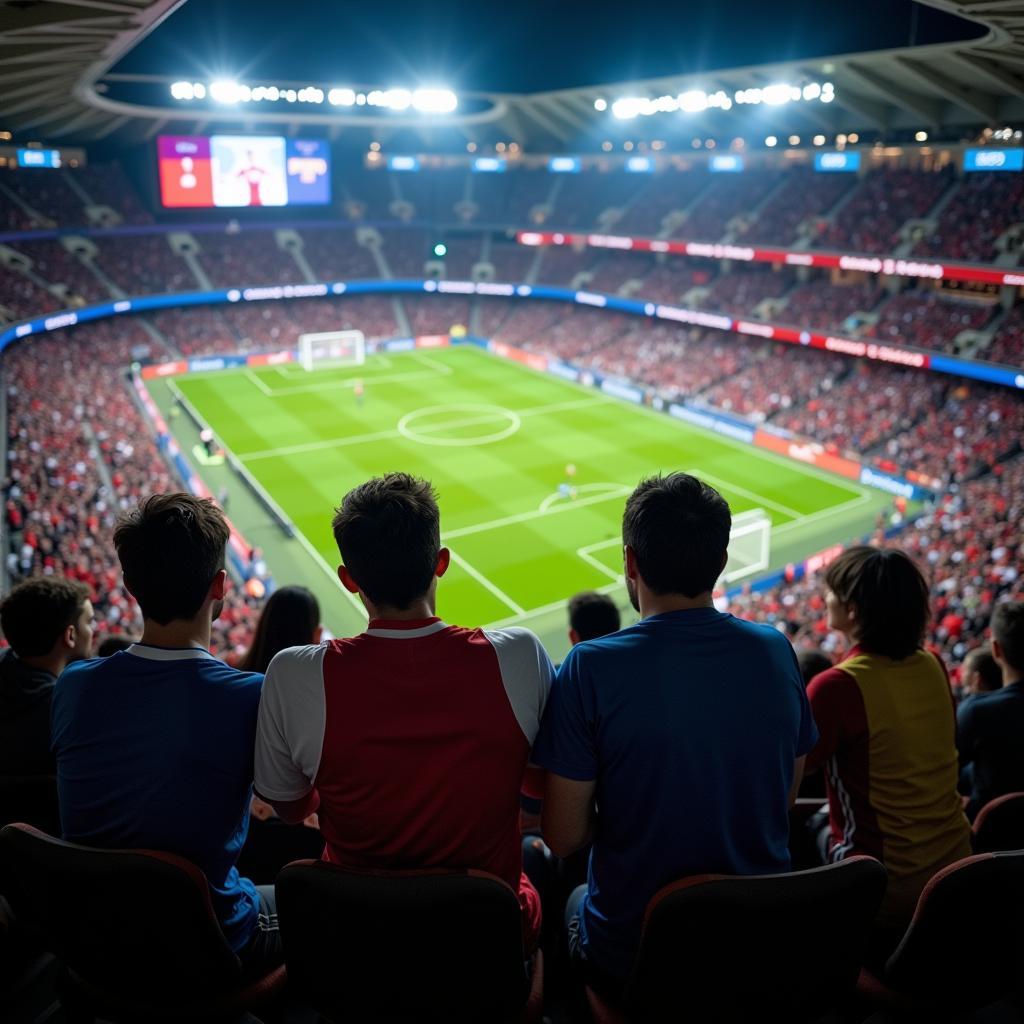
246	258
802	197
883	202
972	546
740	292
926	319
56	266
21	297
821	305
730	196
1008	344
982	209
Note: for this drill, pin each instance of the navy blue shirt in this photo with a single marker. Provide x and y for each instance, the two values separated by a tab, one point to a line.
154	750
990	738
690	722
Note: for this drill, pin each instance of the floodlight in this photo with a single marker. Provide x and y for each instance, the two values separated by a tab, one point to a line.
434	101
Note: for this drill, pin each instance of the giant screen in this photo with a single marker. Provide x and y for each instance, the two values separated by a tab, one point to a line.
243	170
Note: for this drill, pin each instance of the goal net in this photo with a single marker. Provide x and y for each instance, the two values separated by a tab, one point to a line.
332	348
749	545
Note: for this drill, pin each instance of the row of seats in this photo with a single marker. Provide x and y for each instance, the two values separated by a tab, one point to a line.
429	946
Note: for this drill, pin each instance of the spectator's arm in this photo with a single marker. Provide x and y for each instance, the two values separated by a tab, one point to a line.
567	820
294	811
838	711
798	777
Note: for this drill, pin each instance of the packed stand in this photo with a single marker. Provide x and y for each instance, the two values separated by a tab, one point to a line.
56	266
983	208
144	265
857	410
925	319
108	185
435	314
23	297
246	258
971	544
1008	344
802	196
196	331
729	196
739	292
578	206
665	193
883	202
823	306
335	255
48	194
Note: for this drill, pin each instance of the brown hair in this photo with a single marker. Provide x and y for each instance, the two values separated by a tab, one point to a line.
388	532
35	613
170	548
890	596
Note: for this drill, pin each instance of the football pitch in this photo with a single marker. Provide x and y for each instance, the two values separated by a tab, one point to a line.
495	438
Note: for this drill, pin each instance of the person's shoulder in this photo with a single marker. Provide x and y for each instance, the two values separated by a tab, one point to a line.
302	658
78	671
511	636
829	680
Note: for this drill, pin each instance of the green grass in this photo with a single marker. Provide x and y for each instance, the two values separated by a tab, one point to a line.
495	438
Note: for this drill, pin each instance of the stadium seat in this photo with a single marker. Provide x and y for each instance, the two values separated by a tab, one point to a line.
964	948
406	946
999	825
134	929
730	948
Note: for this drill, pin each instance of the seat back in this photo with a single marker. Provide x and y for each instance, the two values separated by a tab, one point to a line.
402	946
975	907
1000	824
137	923
785	947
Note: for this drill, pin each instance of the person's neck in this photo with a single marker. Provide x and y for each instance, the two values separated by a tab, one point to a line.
178	633
659	604
52	663
422	608
1010	678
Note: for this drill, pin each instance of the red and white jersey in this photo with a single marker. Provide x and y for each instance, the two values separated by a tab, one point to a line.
416	736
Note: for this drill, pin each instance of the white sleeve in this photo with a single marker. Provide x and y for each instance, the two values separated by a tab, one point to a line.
526	673
290	728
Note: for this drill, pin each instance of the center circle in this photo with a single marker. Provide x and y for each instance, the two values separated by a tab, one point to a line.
428	424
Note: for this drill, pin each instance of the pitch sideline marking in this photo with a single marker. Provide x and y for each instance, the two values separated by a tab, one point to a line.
434	369
487	584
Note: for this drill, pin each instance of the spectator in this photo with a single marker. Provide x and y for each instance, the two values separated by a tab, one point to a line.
812	661
692	726
980	673
154	745
592	615
991	725
413	737
290	618
48	623
885	713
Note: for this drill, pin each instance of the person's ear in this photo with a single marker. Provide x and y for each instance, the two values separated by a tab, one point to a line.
574	637
67	638
997	652
347	580
444	559
629	560
318	634
219	585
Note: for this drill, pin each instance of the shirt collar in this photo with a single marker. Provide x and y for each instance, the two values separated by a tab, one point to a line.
153	653
404	629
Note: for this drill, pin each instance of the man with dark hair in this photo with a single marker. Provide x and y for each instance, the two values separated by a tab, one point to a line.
980	673
154	744
990	726
689	727
812	661
48	622
592	615
888	731
412	739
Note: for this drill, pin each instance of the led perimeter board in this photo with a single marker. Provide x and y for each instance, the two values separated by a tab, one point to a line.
233	171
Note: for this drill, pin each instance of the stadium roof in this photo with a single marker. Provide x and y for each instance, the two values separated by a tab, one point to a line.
56	84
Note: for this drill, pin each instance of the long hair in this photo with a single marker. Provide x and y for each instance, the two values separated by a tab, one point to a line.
289	619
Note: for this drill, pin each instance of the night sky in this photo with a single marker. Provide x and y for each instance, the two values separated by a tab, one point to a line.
521	46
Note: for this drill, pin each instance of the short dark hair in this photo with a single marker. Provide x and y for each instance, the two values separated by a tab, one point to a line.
890	596
35	613
812	662
289	619
678	527
170	548
592	615
1008	632
388	532
980	660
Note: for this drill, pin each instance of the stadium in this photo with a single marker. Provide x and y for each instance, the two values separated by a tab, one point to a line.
788	267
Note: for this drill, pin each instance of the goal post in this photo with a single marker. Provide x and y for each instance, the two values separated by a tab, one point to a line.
332	348
749	545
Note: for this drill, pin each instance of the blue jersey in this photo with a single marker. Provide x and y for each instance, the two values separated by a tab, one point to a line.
690	722
154	750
